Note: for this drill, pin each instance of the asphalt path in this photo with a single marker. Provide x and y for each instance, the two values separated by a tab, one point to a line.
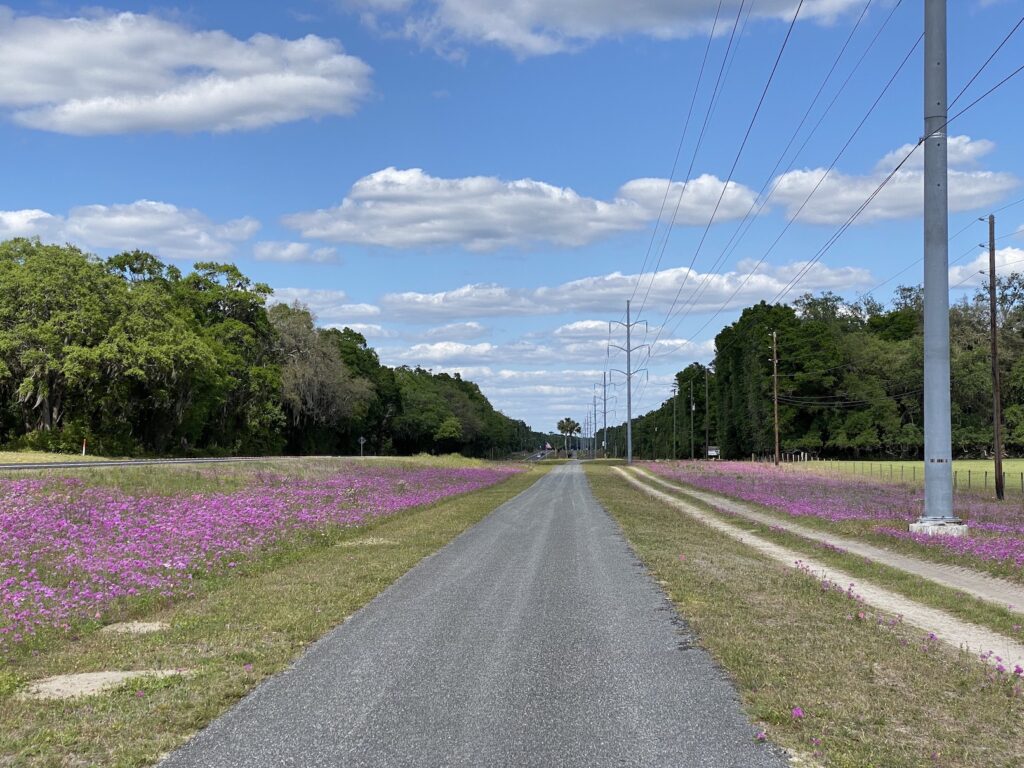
536	638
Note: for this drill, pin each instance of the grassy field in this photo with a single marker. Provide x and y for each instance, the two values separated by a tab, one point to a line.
968	474
41	457
835	689
237	629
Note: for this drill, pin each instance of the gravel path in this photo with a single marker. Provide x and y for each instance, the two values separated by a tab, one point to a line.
989	588
534	639
947	628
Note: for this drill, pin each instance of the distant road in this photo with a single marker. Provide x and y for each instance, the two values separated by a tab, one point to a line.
534	639
147	462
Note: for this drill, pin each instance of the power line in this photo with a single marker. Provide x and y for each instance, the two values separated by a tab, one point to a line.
719	82
762	200
679	149
735	162
806	200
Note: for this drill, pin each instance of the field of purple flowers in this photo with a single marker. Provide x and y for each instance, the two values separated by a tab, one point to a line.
857	504
72	551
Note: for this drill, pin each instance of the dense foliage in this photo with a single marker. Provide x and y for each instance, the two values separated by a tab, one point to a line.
850	381
137	357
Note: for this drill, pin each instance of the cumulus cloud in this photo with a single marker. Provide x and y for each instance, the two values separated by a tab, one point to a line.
706	292
292	252
121	73
457	331
540	27
161	228
839	194
409	208
975	273
327	305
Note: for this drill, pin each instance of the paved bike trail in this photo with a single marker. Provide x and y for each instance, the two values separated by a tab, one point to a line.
534	639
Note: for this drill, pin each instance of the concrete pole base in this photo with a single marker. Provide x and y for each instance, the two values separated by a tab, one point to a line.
939	528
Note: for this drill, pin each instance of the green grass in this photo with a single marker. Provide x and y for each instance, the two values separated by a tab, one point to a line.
868	698
42	457
262	615
925	591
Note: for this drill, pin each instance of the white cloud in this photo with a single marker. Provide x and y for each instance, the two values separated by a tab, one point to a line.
326	305
292	252
608	293
161	228
539	27
409	208
975	273
457	331
839	195
121	73
583	329
523	352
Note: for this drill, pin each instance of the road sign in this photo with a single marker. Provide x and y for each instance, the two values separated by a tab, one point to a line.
713	452
362	442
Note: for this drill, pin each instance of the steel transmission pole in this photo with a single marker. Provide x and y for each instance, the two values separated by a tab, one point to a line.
675	397
997	400
628	373
938	451
604	403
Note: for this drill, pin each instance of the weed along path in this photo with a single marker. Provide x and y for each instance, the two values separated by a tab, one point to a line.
944	626
535	638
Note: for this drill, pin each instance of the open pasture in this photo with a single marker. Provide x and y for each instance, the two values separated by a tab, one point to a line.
83	546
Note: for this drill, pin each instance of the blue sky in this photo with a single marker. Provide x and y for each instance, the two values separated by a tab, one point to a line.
475	184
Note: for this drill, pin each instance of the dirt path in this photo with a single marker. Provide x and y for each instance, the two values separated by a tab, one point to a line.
988	588
947	628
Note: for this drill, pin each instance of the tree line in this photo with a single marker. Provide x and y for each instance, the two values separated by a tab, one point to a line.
850	378
134	357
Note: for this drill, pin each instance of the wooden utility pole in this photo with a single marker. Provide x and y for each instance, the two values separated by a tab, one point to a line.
775	390
997	405
675	398
707	415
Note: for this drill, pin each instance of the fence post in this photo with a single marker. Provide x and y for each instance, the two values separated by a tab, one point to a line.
955	478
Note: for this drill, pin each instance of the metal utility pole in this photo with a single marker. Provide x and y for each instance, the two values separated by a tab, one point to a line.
628	373
997	402
938	450
693	407
604	402
775	390
675	397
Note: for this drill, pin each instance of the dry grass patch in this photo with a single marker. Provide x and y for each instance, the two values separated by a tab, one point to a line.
870	694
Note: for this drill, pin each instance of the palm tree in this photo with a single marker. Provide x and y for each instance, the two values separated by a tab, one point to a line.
567	428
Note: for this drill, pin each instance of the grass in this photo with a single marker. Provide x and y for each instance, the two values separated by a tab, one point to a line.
925	591
237	630
872	695
43	457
